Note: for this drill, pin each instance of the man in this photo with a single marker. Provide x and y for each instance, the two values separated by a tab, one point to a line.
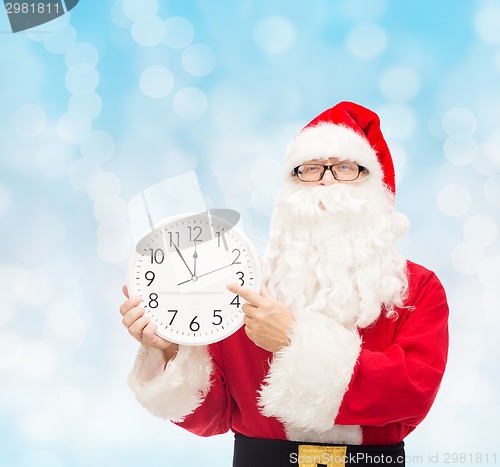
343	351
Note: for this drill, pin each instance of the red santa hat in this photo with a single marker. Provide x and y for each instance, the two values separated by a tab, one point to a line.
347	131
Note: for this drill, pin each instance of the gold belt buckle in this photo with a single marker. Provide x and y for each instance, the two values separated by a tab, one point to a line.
312	456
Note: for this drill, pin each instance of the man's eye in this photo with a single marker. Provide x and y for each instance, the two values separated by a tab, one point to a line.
312	168
345	167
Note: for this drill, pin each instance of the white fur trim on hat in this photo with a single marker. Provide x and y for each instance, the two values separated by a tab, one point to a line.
331	140
174	391
307	380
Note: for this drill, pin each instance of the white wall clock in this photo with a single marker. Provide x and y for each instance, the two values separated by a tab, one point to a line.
181	270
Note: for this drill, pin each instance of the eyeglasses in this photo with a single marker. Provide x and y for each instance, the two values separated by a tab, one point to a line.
343	172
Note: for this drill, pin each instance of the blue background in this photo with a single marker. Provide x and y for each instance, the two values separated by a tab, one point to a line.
119	95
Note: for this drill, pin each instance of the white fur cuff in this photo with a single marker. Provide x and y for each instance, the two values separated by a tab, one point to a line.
307	380
177	390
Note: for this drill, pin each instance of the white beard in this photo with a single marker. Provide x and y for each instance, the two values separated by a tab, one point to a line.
332	250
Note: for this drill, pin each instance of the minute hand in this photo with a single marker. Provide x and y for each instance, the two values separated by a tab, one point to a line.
183	260
210	272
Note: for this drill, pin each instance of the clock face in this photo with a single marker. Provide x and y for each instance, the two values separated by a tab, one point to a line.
181	270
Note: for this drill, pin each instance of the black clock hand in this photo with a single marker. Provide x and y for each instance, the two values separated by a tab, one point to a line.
206	273
183	260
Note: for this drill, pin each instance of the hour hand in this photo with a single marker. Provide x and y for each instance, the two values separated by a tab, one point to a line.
195	257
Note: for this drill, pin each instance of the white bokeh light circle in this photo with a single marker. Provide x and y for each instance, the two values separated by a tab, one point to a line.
81	78
148	31
367	41
364	10
398	121
43	425
489	271
65	320
114	241
400	83
467	258
49	232
98	147
399	158
179	159
73	127
88	103
198	59
487	161
265	171
480	230
118	16
9	351
41	33
113	230
38	360
81	171
103	184
156	81
435	126
221	158
6	313
190	103
239	200
14	279
110	209
398	154
491	191
454	200
263	199
53	159
486	23
134	9
62	41
274	34
114	252
179	32
29	120
491	302
460	149
230	180
82	52
459	120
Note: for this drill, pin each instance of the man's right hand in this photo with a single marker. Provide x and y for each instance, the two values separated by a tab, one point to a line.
141	328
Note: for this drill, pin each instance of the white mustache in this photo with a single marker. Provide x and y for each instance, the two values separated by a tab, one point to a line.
319	201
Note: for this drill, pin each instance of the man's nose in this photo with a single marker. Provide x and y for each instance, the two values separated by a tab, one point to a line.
328	178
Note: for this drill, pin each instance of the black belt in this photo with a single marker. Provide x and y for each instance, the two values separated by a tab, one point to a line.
254	452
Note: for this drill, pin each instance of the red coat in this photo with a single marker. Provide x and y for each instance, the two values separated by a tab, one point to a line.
391	389
331	384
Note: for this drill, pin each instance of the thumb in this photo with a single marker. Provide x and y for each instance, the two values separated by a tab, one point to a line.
125	291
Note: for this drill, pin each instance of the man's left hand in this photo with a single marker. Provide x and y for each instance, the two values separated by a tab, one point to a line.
267	321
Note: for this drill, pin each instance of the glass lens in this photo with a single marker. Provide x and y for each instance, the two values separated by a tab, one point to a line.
346	171
310	172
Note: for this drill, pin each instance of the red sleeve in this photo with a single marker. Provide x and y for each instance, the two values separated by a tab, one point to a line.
213	416
400	383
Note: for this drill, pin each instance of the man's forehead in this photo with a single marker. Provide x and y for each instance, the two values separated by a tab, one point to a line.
326	160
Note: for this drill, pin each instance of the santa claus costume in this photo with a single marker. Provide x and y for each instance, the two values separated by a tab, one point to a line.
368	346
